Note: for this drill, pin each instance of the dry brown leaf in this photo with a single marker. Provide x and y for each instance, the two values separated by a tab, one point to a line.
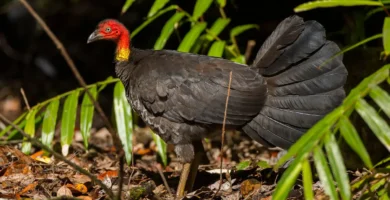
28	188
19	178
112	149
79	187
84	197
143	152
76	160
14	168
39	196
6	184
37	154
64	191
12	155
248	186
26	170
108	174
105	164
80	178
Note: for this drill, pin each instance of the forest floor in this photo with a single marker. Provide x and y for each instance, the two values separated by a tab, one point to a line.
41	177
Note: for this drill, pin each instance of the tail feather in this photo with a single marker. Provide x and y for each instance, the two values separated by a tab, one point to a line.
310	40
285	34
319	103
292	117
273	130
264	136
311	67
300	93
323	83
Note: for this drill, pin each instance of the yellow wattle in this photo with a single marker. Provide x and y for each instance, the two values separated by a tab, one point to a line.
122	54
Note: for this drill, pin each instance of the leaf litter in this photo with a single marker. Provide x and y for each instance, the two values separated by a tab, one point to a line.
246	174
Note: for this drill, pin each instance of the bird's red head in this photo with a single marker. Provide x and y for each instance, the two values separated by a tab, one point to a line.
111	29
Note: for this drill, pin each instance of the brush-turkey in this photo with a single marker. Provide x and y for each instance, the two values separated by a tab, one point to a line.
275	100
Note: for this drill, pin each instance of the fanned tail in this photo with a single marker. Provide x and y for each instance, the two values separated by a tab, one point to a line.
301	88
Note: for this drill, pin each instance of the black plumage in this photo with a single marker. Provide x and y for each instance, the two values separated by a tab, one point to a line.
181	96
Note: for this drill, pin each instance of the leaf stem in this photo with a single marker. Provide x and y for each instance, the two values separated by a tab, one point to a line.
151	19
222	12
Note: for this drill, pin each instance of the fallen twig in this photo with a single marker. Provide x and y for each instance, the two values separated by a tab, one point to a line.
25	99
223	134
164	180
58	156
80	79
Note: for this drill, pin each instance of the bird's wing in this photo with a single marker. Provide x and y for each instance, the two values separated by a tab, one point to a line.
186	87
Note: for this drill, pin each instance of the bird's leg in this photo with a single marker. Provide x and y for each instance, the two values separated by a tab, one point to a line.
183	179
190	169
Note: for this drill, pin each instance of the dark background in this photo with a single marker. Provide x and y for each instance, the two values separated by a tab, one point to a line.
30	60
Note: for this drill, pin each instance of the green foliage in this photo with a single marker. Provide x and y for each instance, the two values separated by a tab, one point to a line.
49	122
123	119
319	132
378	125
222	3
352	138
68	121
161	148
216	49
237	31
217	28
386	38
151	19
242	28
157	5
201	7
191	37
127	5
30	120
324	172
29	129
167	30
337	165
307	180
381	98
86	116
333	3
263	164
243	165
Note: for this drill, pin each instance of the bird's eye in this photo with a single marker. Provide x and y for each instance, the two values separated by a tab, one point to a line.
108	29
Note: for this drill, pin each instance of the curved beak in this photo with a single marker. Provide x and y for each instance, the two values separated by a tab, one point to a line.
94	37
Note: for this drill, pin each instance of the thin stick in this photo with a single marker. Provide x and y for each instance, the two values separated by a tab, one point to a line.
223	134
164	180
248	50
59	156
80	79
25	99
385	9
121	172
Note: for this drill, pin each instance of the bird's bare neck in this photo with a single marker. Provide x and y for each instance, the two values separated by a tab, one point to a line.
123	47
